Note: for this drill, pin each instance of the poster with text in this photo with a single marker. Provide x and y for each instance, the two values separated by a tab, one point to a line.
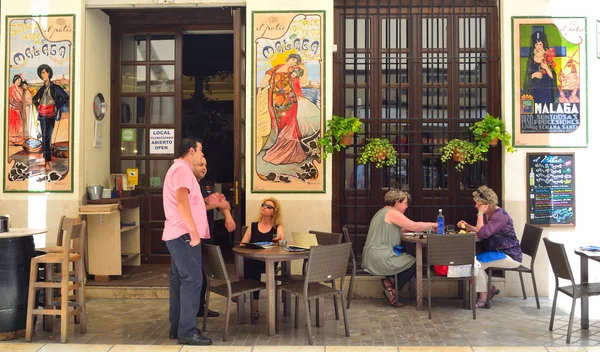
39	104
549	82
287	101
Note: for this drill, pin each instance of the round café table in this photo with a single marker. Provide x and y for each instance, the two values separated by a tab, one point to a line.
16	250
269	256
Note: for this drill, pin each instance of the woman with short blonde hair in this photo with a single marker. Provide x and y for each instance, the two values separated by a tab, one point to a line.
496	230
385	230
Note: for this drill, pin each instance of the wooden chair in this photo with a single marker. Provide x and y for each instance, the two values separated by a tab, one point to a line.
451	250
530	243
65	225
72	252
325	263
353	276
214	269
562	269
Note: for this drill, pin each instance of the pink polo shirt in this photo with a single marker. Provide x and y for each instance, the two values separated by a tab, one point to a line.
180	175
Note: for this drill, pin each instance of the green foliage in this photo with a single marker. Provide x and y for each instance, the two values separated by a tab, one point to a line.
379	151
337	128
487	130
467	152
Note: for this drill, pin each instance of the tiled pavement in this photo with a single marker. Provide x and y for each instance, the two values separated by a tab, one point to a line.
120	324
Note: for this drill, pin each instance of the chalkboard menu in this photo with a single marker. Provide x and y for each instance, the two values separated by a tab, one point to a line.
551	189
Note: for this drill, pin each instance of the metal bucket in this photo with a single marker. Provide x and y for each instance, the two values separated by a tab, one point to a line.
94	192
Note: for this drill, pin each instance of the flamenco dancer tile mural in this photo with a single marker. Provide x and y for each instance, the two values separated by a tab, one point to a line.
288	101
39	104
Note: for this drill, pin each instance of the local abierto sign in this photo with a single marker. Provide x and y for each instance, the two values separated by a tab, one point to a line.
162	141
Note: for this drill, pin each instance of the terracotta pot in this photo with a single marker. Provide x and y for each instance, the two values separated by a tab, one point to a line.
381	155
494	141
347	139
457	156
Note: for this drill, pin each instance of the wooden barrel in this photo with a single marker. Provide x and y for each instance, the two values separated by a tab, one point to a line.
15	262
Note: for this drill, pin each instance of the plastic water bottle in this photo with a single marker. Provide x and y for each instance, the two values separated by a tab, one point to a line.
440	222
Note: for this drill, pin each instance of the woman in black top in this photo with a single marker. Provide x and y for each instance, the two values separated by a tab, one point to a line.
268	228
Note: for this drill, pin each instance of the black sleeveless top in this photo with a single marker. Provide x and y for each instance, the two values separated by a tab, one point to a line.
257	236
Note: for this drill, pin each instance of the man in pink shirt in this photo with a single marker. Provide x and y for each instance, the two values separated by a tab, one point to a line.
185	225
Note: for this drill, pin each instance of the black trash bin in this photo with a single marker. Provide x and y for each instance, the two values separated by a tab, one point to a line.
15	264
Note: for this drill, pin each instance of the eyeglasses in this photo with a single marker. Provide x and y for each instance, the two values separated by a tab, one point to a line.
267	206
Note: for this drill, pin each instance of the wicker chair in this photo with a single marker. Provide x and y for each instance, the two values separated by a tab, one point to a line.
353	276
451	250
214	269
530	243
562	269
325	263
323	239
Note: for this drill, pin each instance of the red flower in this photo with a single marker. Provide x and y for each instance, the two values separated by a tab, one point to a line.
549	57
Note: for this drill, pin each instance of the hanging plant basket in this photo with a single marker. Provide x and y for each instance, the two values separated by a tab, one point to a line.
458	156
493	142
347	139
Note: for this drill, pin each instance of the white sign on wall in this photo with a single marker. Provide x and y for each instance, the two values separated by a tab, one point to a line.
162	141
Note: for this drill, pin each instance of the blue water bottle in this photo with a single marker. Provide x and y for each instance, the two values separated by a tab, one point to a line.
440	222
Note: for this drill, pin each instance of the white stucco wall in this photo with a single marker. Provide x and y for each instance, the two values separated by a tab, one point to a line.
96	77
44	210
514	178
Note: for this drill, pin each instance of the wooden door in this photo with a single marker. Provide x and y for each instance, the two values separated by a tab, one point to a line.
239	119
147	91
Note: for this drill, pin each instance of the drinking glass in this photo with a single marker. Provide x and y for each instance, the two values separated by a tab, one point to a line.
450	229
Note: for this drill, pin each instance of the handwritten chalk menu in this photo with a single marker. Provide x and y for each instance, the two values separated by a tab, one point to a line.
551	189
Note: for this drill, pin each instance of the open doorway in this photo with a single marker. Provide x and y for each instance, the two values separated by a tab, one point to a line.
207	112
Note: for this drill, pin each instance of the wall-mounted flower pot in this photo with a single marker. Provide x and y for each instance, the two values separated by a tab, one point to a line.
458	156
347	139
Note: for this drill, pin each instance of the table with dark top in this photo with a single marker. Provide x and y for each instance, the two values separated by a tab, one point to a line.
270	256
585	257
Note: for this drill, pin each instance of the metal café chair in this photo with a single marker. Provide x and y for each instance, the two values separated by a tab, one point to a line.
353	276
530	243
562	269
325	264
214	269
451	250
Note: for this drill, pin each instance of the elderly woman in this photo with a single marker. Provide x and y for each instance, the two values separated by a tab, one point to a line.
379	257
495	227
267	228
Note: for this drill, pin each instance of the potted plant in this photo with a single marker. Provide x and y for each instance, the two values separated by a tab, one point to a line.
462	152
339	133
489	131
379	151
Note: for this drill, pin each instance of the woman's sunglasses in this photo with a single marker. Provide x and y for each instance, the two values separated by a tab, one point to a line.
267	206
481	195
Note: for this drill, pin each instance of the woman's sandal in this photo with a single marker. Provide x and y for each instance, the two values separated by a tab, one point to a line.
390	293
482	304
494	292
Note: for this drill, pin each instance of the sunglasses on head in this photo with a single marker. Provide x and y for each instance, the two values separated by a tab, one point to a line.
481	195
268	206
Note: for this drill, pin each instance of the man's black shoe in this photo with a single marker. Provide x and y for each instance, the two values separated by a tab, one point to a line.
211	314
195	339
172	337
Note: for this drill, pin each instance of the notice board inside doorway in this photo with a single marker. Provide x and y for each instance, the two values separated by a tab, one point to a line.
551	189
